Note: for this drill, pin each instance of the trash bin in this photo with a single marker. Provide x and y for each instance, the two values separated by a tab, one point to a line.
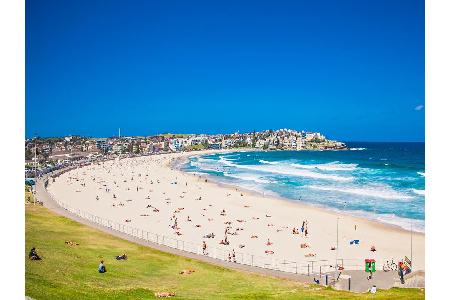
370	265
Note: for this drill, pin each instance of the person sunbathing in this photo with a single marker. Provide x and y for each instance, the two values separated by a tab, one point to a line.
269	252
269	243
33	254
122	257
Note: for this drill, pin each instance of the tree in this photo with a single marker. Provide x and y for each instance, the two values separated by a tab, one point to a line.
28	154
205	144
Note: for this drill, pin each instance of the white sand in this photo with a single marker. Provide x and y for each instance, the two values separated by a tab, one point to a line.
256	211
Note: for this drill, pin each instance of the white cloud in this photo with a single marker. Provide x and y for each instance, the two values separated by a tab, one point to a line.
419	107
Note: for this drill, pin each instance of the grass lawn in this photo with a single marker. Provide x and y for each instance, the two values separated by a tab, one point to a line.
70	272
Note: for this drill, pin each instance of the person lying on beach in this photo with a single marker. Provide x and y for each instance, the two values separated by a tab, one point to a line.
269	252
304	245
122	257
209	236
269	243
254	236
33	254
222	242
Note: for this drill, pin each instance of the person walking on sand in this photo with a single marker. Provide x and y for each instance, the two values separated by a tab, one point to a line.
204	248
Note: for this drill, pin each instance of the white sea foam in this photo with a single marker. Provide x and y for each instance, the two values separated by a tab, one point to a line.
419	192
421	174
291	171
284	169
247	176
374	191
268	162
332	166
206	164
226	161
357	149
392	219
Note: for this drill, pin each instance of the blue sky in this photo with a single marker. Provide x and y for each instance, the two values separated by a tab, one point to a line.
351	69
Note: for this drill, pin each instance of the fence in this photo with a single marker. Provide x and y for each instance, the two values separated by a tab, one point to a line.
310	268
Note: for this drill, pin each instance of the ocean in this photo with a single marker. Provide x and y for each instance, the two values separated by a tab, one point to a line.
378	181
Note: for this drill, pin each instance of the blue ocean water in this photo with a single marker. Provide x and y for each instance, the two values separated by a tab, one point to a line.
379	181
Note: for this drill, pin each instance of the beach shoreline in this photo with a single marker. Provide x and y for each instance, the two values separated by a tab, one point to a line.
176	193
177	165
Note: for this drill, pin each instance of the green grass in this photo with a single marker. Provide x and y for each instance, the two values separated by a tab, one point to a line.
71	272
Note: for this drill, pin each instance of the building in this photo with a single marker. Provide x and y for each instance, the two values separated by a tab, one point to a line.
103	145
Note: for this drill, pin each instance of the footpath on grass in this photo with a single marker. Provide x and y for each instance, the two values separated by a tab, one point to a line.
349	280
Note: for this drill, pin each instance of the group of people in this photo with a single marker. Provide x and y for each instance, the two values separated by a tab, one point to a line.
303	230
232	256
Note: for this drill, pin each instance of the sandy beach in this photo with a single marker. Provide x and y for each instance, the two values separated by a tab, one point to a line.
151	194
